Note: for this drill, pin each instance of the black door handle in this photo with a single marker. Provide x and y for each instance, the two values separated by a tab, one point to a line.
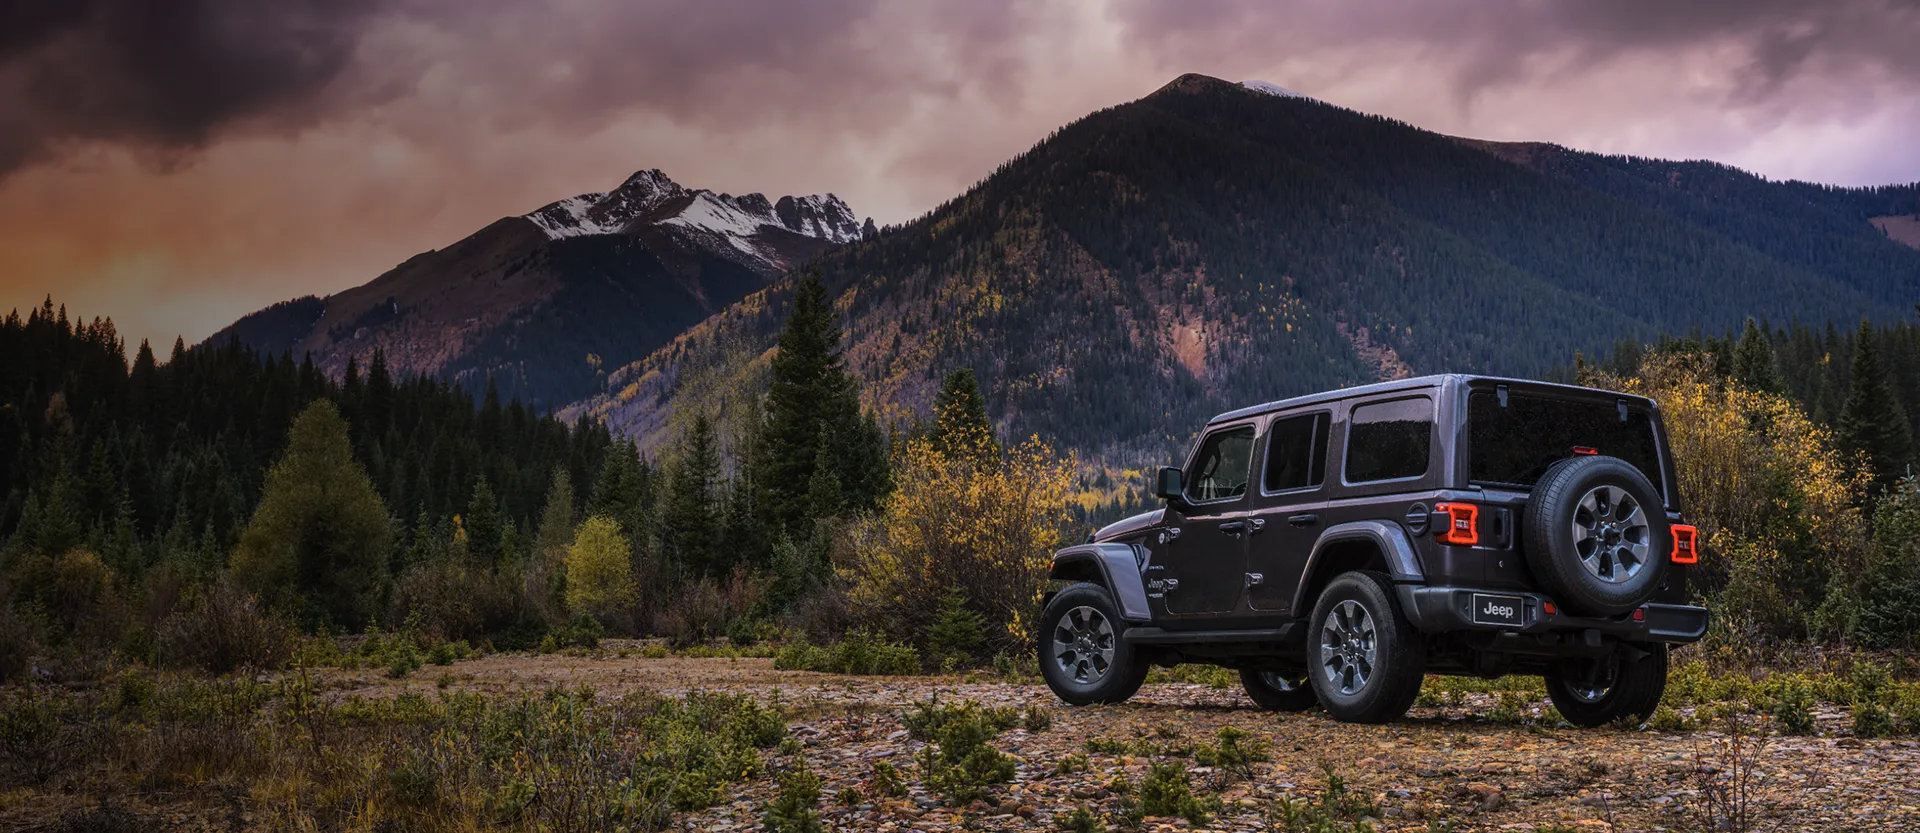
1308	519
1233	527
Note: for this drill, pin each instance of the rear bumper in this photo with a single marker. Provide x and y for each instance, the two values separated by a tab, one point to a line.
1444	609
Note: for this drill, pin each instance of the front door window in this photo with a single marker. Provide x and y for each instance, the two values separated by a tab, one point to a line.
1221	471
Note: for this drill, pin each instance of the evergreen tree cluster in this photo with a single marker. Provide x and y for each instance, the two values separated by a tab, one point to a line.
149	462
1863	382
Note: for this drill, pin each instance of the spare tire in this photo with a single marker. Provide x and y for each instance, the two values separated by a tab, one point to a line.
1596	535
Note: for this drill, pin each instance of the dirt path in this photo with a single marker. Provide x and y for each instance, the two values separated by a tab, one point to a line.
1448	765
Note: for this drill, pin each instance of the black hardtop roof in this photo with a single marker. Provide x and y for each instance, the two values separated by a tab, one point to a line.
1415	383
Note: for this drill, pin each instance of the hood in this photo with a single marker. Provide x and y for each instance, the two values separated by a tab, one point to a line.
1123	528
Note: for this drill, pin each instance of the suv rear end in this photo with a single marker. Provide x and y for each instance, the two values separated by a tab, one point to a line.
1489	598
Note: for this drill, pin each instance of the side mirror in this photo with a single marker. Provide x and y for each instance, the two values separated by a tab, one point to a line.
1167	484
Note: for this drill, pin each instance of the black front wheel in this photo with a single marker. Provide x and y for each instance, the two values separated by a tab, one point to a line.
1082	655
1598	692
1279	691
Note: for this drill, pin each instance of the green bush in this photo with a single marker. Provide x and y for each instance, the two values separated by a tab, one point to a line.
1337	810
861	652
887	781
1079	820
1790	699
957	633
958	762
1236	754
1166	792
792	810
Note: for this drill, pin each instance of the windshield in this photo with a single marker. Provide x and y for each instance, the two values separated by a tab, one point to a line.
1513	446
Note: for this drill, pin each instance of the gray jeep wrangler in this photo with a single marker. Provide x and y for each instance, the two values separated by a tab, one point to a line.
1470	526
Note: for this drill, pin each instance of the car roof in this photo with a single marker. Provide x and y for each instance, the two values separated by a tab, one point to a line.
1415	383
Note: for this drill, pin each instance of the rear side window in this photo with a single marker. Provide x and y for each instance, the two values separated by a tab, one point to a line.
1389	440
1221	471
1513	446
1297	452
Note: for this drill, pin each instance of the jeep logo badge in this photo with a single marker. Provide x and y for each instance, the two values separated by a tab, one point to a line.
1497	610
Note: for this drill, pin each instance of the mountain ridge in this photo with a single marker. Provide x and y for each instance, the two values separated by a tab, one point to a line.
1214	243
539	303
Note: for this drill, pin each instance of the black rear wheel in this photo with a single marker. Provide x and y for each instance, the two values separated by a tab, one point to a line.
1279	691
1083	656
1592	693
1364	658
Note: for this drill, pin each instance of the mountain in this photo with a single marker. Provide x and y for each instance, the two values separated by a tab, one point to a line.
1215	244
540	303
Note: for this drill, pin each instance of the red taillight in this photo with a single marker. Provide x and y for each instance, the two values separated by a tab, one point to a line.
1463	524
1639	614
1585	450
1548	608
1686	541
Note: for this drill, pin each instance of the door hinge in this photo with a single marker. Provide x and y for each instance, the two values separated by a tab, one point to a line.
1255	579
1171	585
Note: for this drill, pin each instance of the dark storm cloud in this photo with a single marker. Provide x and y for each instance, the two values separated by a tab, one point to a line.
163	75
175	75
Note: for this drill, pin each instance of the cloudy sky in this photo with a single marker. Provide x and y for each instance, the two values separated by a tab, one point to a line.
177	163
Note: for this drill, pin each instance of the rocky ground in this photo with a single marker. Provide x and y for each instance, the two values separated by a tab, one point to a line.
1441	768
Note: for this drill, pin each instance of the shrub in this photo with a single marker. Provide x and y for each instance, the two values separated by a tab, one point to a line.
887	781
1235	756
1036	719
958	762
1888	611
20	638
955	633
860	653
693	615
1166	792
792	810
453	601
1079	820
1789	698
222	630
966	518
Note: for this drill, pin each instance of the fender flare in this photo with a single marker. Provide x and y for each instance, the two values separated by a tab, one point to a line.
1403	564
1118	568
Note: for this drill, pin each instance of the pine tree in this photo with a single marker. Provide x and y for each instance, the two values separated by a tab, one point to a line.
1753	361
1872	422
623	492
485	525
960	423
320	539
556	520
689	520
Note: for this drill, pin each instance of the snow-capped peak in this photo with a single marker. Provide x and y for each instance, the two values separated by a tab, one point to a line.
650	198
1273	89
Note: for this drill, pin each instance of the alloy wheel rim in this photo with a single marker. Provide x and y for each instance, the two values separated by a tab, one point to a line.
1611	534
1083	645
1349	646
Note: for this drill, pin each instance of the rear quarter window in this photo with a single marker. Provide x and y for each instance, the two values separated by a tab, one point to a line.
1389	440
1513	446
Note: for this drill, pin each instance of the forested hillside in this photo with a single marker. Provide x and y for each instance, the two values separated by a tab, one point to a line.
1211	245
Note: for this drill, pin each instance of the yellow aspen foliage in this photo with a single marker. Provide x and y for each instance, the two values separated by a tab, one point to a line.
968	517
1776	503
600	579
